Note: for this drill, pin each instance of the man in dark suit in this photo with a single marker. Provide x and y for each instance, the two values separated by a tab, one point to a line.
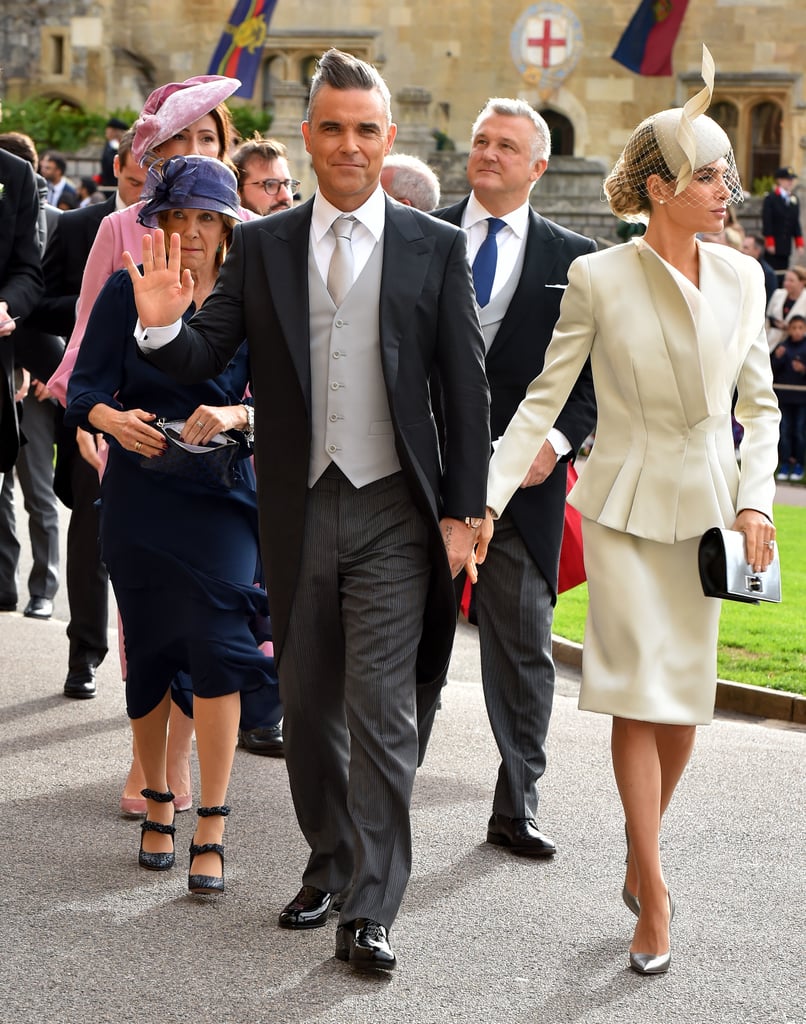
520	266
61	191
362	527
76	480
36	355
21	284
780	220
113	133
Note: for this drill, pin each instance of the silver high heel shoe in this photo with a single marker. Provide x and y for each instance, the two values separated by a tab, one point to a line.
653	963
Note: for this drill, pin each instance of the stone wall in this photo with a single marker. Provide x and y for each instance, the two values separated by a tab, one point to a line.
457	53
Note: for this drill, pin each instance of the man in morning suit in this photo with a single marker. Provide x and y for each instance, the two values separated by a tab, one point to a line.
349	302
520	264
20	284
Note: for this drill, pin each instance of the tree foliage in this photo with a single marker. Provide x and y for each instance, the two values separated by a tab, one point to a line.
54	124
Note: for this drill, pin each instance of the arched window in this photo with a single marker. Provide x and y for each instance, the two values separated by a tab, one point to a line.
562	133
307	69
765	139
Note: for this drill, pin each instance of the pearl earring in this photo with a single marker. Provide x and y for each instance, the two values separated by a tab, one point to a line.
662	202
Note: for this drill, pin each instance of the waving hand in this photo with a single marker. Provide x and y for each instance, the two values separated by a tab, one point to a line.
163	291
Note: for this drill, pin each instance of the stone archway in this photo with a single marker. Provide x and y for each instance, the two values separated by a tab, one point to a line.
562	133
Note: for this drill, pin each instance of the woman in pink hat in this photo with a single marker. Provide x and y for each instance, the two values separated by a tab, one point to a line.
178	119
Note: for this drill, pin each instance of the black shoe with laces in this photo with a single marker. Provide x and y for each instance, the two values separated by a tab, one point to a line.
365	944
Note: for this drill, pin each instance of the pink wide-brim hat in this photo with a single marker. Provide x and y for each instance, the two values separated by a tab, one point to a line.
175	106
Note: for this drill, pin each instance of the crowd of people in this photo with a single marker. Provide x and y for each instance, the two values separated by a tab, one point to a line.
285	412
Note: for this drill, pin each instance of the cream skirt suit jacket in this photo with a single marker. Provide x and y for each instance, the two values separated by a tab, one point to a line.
666	359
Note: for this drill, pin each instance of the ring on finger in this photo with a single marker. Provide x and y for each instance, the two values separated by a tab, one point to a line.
138	445
771	545
200	424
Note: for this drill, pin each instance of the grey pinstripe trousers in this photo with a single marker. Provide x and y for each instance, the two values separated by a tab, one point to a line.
515	615
347	684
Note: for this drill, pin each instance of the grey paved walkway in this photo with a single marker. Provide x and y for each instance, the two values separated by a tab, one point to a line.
88	937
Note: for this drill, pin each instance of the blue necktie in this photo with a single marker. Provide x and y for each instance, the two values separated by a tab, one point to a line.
485	262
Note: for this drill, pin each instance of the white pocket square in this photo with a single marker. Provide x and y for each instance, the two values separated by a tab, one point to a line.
557	286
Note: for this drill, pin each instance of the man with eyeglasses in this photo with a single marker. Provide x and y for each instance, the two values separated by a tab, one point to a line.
264	182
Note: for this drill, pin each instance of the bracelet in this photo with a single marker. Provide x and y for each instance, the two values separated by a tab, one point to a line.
249	430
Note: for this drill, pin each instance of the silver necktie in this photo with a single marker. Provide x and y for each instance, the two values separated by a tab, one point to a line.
340	272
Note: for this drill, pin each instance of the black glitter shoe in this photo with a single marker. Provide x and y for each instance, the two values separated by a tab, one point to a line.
156	861
207	885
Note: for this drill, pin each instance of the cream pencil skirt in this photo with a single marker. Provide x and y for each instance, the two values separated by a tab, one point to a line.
651	635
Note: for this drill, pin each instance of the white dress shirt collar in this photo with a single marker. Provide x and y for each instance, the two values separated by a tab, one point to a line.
517	219
372	214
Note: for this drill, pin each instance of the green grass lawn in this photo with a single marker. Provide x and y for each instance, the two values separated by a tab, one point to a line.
759	644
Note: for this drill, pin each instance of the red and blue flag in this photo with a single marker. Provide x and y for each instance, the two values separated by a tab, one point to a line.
240	48
647	43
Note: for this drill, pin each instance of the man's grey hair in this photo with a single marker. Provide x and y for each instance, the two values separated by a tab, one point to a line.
414	180
342	70
541	144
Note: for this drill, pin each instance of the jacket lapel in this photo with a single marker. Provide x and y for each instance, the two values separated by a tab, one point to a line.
688	325
406	260
284	252
542	252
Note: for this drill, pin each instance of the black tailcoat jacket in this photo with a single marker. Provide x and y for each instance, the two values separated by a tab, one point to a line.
516	357
21	283
428	320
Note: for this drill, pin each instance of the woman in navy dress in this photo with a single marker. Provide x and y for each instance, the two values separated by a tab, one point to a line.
182	555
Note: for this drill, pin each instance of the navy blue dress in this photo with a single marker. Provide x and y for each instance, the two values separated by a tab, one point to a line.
183	558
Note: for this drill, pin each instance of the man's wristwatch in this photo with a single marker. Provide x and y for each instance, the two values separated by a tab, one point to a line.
473	522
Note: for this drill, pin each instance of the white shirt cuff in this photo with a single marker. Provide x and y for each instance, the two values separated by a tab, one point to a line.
149	339
559	442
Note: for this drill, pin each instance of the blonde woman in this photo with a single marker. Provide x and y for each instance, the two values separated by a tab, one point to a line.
672	327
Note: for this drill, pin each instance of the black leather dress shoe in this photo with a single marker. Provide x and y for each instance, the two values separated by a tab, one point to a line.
80	683
267	740
8	603
38	608
310	908
521	835
365	944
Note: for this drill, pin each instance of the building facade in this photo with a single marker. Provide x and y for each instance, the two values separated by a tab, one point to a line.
441	61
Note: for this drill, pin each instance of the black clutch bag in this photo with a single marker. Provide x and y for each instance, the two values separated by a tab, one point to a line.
724	571
212	464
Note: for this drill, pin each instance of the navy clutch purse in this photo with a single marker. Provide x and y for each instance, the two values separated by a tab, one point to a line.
212	465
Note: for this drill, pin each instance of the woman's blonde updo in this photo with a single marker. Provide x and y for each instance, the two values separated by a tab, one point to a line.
625	187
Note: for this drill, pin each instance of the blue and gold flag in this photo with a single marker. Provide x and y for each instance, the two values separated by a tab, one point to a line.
240	48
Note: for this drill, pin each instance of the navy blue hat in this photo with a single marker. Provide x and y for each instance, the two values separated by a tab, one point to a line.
785	172
189	182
